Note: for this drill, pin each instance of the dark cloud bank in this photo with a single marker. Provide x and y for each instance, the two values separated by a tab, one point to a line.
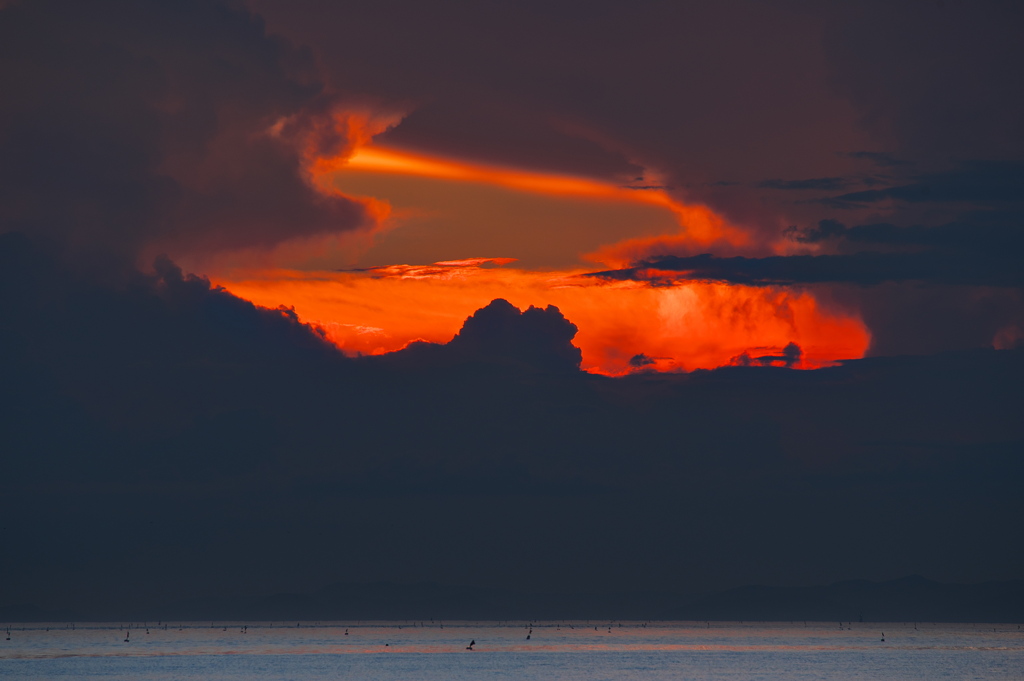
163	440
166	440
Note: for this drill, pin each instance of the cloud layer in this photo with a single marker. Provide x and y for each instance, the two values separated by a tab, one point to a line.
169	440
128	125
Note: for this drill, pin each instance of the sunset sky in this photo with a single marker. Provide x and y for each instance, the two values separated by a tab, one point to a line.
431	262
308	267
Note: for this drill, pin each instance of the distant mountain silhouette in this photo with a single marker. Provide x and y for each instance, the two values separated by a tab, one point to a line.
911	599
427	601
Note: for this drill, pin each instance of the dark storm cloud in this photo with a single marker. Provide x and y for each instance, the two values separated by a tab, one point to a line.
979	249
130	123
988	183
168	439
142	330
866	268
987	232
820	183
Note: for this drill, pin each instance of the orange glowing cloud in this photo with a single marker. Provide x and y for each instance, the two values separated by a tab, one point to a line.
339	158
701	225
684	327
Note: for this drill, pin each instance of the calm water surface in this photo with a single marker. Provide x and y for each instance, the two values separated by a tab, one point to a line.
569	651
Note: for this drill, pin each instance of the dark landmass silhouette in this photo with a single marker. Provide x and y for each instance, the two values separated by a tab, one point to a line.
910	599
183	442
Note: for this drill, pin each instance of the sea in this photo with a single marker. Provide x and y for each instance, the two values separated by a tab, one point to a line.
521	651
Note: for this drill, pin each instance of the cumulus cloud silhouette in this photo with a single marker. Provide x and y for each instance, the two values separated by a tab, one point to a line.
501	334
537	337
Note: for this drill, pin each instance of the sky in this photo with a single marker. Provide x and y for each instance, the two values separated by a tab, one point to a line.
543	295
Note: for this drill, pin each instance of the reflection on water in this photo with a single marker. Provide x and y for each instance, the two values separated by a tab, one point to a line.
513	650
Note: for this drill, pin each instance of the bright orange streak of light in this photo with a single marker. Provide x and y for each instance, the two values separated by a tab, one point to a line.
689	326
389	160
701	225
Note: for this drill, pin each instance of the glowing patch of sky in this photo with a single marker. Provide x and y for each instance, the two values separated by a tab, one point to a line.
695	325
